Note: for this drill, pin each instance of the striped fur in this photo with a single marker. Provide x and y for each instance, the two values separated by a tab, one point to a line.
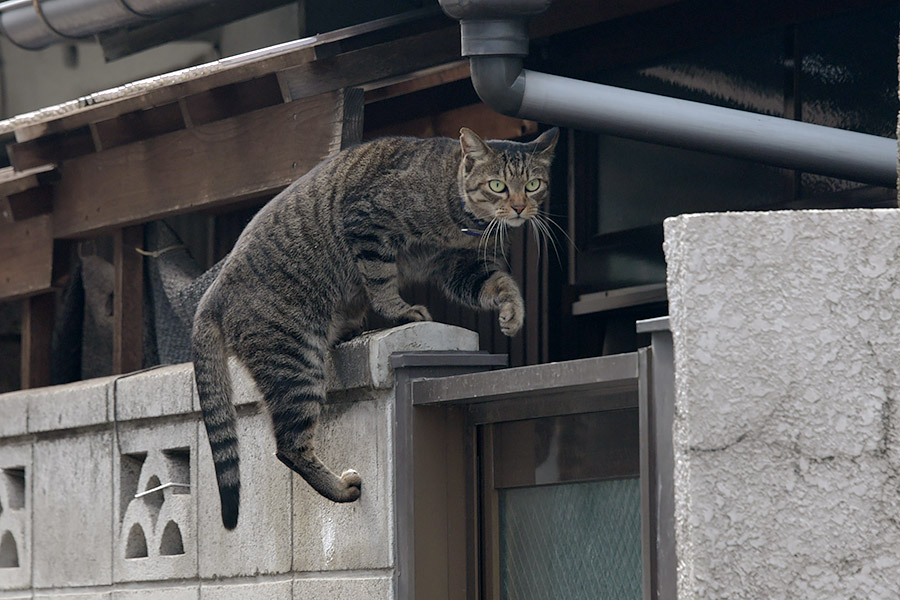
339	240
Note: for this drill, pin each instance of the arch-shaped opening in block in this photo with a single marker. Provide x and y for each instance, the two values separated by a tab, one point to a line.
136	544
9	551
155	500
171	543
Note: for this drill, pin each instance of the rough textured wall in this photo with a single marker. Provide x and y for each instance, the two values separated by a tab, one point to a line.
787	348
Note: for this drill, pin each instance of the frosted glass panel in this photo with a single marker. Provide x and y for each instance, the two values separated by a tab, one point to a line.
573	541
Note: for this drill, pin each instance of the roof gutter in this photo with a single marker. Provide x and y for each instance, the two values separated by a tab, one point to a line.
36	24
495	38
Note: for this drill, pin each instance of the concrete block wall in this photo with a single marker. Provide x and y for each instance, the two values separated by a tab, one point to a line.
786	329
73	458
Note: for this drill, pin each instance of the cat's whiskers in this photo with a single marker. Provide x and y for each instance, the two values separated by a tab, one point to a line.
563	231
537	237
541	222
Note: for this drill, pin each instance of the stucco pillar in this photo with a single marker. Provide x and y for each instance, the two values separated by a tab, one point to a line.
786	329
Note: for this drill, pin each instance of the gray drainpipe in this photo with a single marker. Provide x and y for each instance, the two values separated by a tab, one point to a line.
495	38
36	24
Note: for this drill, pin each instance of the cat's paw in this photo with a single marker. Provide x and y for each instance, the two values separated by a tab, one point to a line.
512	315
353	483
415	313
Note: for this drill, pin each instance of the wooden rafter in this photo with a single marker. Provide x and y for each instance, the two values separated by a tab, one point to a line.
254	154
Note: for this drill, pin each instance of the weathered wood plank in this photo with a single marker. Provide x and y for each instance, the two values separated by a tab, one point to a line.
128	294
25	205
26	257
138	125
37	333
477	117
233	99
254	154
418	81
50	150
236	71
371	64
13	182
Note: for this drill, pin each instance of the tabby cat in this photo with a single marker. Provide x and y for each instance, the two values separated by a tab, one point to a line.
343	238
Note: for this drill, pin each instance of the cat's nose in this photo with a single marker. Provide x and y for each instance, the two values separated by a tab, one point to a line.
518	208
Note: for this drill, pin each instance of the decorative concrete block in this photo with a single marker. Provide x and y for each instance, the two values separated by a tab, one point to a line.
158	392
14	408
156	533
261	542
276	590
68	406
345	588
72	510
15	516
159	593
357	535
787	445
363	361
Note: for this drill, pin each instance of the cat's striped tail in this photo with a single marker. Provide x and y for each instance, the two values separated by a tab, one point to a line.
214	389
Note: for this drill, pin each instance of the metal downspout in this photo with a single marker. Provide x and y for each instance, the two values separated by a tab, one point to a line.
502	83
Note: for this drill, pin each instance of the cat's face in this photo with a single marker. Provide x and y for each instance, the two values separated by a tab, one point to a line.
506	181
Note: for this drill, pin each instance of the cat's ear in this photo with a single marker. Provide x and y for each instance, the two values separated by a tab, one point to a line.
472	145
546	142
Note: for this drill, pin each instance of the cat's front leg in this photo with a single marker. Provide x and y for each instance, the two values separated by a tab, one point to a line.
480	283
380	278
501	291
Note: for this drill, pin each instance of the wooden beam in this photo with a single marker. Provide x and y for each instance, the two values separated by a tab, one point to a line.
27	204
477	117
417	82
13	181
25	194
233	99
254	154
26	257
383	61
37	333
50	150
128	297
137	125
235	71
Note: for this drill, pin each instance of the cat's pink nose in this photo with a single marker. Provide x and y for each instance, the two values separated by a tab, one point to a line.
518	208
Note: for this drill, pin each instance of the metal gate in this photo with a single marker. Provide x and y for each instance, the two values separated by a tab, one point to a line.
547	481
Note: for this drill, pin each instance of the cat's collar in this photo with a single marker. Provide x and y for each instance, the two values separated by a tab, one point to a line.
481	225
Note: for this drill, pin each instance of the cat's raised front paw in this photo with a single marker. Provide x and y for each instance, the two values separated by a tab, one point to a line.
512	315
415	313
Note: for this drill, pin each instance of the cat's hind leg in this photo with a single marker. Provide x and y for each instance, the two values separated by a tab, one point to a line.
291	377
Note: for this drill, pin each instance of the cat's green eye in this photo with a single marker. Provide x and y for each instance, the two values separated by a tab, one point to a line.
533	185
496	185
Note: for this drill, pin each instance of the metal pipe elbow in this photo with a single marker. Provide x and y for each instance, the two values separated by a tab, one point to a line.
499	82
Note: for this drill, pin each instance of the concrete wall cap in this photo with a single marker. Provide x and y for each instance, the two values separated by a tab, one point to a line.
363	361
